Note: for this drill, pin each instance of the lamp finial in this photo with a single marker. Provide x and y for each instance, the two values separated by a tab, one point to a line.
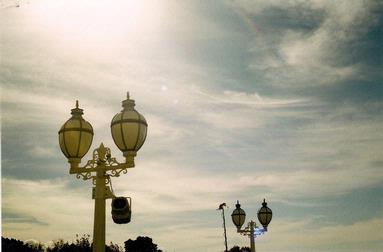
77	112
128	104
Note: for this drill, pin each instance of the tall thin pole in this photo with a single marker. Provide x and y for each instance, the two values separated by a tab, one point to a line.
224	227
252	243
99	212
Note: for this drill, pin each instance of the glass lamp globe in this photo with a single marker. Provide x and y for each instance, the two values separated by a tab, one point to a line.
129	130
265	215
238	216
75	137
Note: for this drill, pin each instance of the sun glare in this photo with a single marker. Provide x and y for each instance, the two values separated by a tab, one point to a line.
97	21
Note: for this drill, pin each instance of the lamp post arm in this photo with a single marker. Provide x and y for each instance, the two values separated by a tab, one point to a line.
115	169
102	161
243	231
249	231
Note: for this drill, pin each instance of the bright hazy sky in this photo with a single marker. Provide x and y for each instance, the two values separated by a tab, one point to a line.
245	100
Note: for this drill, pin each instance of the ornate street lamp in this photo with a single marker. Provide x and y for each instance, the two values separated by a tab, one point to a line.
129	130
75	137
238	216
264	215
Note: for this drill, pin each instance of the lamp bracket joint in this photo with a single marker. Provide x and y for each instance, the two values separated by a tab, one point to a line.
103	164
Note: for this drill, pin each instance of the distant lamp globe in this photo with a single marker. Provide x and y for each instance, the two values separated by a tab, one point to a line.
75	137
265	215
129	130
238	216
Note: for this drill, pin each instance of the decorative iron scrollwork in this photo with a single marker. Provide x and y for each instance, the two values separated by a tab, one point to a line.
102	161
117	172
84	175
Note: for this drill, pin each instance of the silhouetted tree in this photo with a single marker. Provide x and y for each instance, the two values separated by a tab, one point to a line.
141	244
81	244
13	245
238	249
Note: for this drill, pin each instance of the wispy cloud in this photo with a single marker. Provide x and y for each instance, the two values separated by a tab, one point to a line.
310	43
329	238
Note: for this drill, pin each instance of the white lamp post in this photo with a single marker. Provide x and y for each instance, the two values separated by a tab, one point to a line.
75	138
238	217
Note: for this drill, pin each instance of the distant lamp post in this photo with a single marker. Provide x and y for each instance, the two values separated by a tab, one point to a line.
238	217
75	138
222	208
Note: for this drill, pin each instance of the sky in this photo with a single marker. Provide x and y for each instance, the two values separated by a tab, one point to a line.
244	100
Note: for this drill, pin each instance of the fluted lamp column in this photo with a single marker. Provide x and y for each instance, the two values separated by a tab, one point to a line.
129	130
75	137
